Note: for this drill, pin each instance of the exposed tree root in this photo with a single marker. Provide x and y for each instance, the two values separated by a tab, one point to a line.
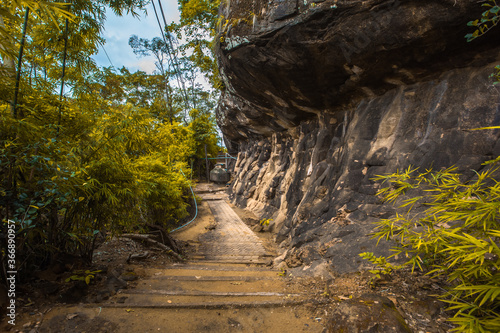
147	239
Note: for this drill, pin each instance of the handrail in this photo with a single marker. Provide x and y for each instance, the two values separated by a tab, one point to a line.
195	206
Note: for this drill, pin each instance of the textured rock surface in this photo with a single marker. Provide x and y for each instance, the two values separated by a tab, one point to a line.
323	95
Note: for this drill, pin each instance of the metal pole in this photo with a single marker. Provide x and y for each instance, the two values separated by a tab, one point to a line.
206	163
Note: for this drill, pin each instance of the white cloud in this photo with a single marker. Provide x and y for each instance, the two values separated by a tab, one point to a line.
119	29
146	65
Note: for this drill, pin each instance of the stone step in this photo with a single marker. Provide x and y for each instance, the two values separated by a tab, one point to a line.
243	255
224	269
231	258
226	287
267	285
163	300
232	261
199	191
202	256
204	305
213	278
184	320
212	196
203	293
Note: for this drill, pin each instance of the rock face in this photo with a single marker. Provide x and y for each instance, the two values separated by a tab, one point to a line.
321	96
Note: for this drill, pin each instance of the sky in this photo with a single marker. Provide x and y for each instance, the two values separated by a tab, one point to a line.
119	29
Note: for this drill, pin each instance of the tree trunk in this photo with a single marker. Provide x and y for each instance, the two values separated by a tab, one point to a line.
59	119
8	65
20	63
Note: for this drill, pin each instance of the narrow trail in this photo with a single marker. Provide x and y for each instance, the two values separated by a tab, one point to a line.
225	286
232	240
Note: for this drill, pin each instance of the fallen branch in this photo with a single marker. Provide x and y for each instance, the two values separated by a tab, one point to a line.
166	238
143	255
147	239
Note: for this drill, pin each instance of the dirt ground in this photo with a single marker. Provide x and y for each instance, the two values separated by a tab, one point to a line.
43	296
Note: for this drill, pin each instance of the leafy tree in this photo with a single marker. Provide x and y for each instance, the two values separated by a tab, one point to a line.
203	127
99	158
165	65
204	135
10	15
198	25
192	55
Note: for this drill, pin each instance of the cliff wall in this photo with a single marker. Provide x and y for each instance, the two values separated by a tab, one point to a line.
321	96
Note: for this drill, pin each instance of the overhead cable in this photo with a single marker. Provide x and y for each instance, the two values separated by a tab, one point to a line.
176	62
171	56
107	56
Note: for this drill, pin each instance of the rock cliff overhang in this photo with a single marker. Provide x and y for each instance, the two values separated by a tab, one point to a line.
323	95
288	60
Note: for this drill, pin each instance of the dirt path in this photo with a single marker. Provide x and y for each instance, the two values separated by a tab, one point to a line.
225	286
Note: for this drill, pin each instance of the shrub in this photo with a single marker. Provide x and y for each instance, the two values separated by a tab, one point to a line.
451	229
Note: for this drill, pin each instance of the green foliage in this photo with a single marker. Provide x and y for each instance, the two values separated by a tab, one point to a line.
86	276
105	158
185	93
198	24
10	15
384	268
113	170
265	222
203	132
451	229
488	20
496	75
203	129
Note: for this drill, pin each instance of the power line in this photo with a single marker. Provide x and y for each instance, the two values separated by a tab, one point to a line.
107	56
176	63
172	56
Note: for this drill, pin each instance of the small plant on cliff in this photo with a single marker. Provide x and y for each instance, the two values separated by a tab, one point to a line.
265	222
489	19
451	229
